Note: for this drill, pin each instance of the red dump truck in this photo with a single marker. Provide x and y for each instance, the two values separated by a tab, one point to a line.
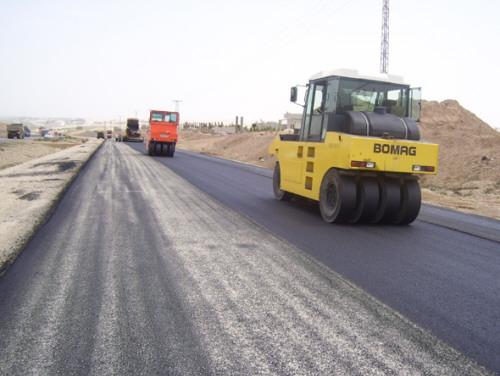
161	136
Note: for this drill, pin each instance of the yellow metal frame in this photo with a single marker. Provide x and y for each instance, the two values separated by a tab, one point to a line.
304	163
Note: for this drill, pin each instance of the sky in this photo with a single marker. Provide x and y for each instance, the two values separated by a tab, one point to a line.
118	58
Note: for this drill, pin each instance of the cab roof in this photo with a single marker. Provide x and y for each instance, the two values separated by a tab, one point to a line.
352	73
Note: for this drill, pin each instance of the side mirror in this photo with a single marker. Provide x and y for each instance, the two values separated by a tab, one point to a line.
293	94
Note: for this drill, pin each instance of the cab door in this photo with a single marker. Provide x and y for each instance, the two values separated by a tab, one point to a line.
415	103
292	157
314	138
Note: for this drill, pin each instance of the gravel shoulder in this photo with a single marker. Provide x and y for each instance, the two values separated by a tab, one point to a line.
30	190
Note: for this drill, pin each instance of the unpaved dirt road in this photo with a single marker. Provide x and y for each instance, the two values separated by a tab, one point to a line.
139	272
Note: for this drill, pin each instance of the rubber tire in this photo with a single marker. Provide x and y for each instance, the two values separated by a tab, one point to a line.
411	201
171	150
390	200
368	197
344	189
279	194
151	150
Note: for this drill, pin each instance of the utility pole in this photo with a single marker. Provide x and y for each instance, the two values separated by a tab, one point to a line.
177	104
384	45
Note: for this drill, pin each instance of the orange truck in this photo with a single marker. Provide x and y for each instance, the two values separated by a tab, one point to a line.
161	136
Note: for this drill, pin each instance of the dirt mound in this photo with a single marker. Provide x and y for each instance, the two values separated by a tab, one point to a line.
3	130
247	147
469	148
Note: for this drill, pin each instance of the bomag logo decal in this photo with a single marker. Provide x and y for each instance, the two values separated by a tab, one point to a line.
395	149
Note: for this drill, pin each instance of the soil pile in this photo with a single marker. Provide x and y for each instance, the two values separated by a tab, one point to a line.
469	152
248	147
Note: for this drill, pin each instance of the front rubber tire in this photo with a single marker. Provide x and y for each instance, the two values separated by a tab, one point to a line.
279	194
337	197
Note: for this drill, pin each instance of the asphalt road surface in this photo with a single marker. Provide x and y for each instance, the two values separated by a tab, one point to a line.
442	272
140	272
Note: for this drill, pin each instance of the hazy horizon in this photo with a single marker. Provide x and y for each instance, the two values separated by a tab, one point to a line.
111	60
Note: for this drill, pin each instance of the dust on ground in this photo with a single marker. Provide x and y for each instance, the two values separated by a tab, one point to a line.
469	156
14	152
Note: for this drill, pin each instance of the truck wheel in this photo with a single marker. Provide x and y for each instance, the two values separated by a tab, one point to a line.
337	197
171	150
368	197
278	192
151	151
390	200
411	200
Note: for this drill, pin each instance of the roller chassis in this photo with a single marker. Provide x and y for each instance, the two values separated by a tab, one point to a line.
358	150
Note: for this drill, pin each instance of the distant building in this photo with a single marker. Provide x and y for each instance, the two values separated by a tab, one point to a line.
292	121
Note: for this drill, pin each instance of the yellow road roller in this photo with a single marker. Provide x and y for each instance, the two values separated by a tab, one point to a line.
358	151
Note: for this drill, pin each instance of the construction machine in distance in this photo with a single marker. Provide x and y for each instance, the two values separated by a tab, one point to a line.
132	132
358	152
161	136
15	130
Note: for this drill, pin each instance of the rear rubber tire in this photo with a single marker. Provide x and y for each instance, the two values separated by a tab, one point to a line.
171	150
151	150
411	200
337	197
390	200
279	194
368	197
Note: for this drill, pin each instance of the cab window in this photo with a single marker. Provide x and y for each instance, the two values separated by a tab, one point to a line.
314	112
156	116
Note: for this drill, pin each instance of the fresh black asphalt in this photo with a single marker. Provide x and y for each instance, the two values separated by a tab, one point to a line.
445	280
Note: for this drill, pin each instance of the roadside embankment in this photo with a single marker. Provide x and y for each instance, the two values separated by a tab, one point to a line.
14	152
29	192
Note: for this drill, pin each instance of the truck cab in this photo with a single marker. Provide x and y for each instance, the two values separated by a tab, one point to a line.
15	130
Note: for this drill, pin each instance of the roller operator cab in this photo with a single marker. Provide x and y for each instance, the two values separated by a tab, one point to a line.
161	136
358	151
